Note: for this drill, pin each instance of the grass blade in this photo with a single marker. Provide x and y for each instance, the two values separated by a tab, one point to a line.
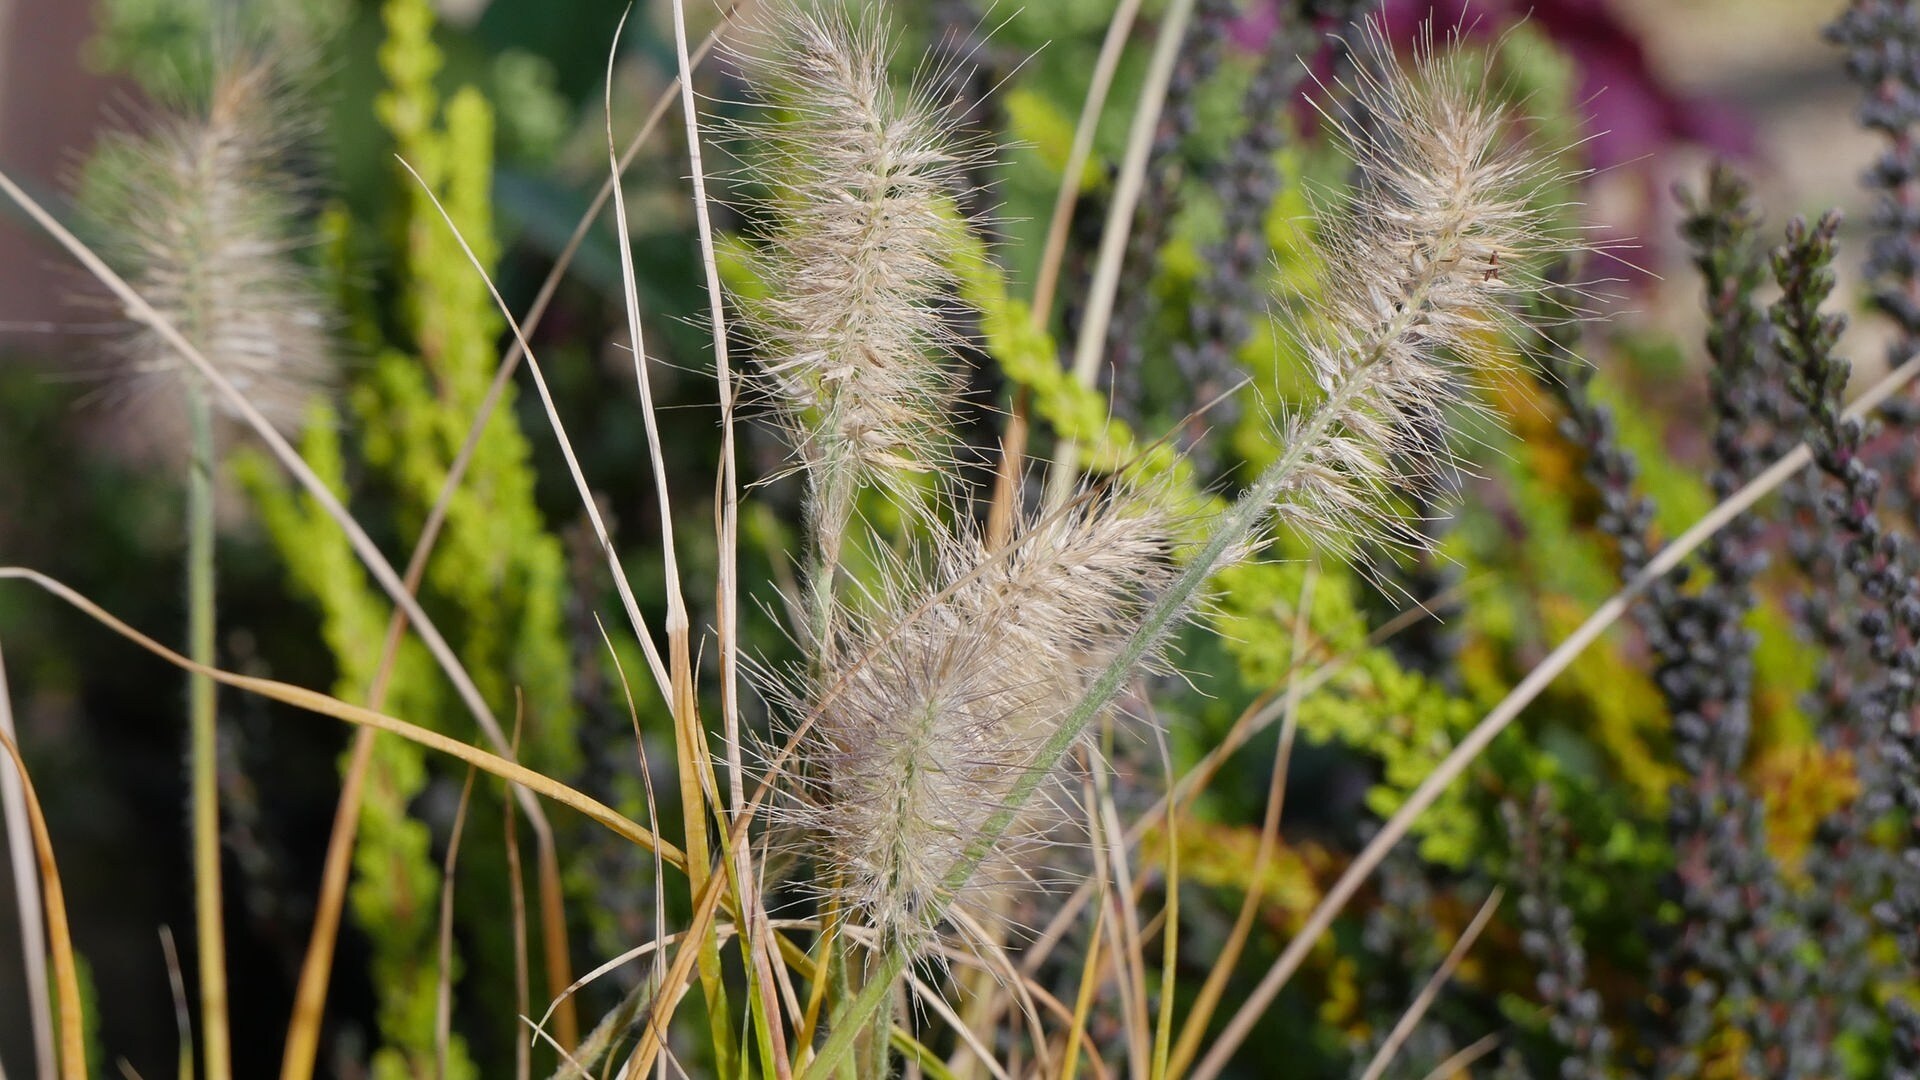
313	701
59	943
26	892
1424	1000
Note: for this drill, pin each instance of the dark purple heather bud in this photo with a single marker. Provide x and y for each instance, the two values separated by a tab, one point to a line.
1882	42
1550	939
1881	567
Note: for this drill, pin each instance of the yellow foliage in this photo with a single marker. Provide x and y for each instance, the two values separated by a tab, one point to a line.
1800	785
1224	856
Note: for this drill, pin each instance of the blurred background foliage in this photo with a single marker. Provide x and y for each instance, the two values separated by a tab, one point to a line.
498	106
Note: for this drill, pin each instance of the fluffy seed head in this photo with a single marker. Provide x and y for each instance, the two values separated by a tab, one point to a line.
951	690
862	179
1442	233
200	212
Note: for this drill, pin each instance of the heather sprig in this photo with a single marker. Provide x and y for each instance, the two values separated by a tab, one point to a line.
1882	43
1884	567
1549	937
1724	959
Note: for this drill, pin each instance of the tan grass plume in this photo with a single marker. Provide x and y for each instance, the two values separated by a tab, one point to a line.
954	682
862	180
200	212
1423	262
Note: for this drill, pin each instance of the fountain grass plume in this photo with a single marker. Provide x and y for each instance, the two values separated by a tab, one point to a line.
957	680
854	329
200	212
1424	260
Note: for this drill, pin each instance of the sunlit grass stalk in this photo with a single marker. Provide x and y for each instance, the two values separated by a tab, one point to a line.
203	739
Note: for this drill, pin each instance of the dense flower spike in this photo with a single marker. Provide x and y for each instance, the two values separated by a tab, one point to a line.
199	212
1727	964
952	689
854	328
1442	233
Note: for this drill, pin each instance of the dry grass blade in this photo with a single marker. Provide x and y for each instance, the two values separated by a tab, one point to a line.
1170	935
1208	999
694	765
968	1039
517	919
553	933
1013	443
646	786
1456	1066
1083	1001
705	906
990	961
316	967
728	494
313	701
1421	1003
182	1015
1504	713
727	529
1119	226
443	991
26	893
1131	946
59	943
